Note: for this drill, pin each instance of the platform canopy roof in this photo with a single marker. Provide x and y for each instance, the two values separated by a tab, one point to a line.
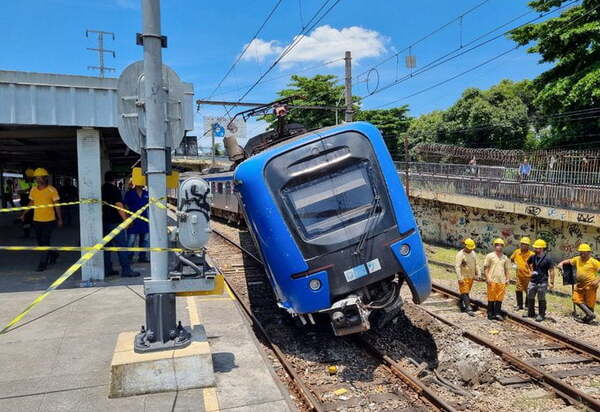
40	113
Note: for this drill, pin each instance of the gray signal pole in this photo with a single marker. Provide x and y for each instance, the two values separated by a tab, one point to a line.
101	50
348	88
162	331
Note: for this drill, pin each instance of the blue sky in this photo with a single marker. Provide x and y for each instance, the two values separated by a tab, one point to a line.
205	37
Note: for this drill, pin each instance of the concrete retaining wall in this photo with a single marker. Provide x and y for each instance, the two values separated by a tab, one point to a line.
448	224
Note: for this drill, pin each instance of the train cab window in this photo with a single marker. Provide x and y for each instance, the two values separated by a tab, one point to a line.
332	201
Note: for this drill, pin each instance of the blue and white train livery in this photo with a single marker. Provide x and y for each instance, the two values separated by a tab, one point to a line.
333	225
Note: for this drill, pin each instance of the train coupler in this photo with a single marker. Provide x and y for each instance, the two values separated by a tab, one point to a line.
348	316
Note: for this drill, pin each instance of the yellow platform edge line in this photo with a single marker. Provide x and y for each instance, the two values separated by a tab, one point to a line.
209	395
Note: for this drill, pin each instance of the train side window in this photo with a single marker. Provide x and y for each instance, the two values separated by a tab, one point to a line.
213	187
228	187
220	188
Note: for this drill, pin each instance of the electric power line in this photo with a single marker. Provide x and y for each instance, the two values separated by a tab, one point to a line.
485	62
428	35
444	59
264	23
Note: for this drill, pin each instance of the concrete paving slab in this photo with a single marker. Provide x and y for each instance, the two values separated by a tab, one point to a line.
58	357
239	361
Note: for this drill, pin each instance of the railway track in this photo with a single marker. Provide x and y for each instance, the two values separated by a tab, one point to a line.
558	362
362	377
305	368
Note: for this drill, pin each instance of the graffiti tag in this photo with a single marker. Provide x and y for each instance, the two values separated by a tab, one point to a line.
585	218
533	210
574	230
499	205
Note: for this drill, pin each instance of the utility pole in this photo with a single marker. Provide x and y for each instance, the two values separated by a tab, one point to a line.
348	88
101	50
212	133
407	160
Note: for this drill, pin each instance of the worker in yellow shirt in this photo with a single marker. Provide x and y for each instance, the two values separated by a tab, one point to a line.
496	267
520	257
44	219
587	280
466	271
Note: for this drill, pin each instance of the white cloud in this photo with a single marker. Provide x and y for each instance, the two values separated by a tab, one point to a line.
323	44
260	50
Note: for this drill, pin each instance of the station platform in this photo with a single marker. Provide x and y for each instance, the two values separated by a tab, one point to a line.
58	357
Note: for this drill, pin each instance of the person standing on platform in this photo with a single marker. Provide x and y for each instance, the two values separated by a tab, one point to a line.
69	194
466	271
111	218
45	219
496	268
587	280
24	186
7	194
135	199
520	257
542	272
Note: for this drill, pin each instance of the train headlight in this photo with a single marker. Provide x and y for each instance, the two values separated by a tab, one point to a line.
314	284
404	250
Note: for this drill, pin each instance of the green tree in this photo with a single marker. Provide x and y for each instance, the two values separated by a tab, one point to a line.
427	128
393	123
571	42
320	90
217	149
497	117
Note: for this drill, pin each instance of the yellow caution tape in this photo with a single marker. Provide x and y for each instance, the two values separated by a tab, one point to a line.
70	271
145	219
16	209
88	248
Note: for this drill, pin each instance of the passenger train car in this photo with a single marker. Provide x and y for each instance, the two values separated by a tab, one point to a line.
332	223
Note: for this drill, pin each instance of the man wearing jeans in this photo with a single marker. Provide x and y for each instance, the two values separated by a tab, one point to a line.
542	275
111	218
135	199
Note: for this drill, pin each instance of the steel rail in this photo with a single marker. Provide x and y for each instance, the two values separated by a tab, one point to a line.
564	390
306	393
571	343
412	381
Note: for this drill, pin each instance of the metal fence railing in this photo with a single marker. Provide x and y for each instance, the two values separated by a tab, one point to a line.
565	189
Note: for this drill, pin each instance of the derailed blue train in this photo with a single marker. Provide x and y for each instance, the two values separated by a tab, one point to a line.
333	226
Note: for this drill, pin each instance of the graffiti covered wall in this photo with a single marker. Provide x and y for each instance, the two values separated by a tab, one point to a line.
449	224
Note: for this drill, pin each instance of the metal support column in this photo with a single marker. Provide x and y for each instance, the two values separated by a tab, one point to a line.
89	181
161	331
348	88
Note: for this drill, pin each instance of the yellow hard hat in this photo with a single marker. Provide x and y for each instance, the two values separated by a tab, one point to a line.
469	243
498	241
29	172
540	243
525	240
584	247
39	172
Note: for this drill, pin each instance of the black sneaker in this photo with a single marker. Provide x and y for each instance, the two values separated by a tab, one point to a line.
131	274
111	273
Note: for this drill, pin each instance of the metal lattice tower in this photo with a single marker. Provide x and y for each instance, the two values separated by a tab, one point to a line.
101	50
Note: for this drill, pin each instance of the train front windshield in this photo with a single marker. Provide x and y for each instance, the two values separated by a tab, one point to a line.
332	201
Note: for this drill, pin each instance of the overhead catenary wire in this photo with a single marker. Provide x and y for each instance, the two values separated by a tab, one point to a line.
451	55
310	25
486	61
427	36
237	60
